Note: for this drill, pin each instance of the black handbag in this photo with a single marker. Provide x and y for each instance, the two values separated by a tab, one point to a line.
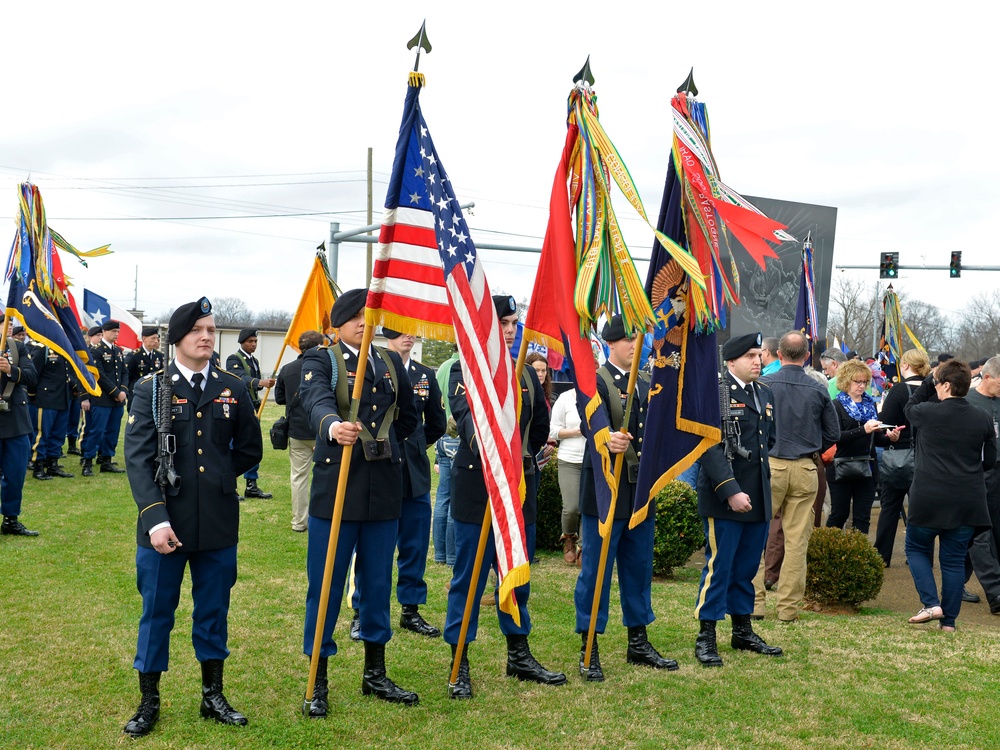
898	463
279	434
897	468
848	469
851	468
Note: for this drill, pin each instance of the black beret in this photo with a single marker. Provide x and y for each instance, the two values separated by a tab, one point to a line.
737	347
184	317
246	333
942	358
149	331
347	306
390	334
18	328
614	329
505	305
111	325
94	331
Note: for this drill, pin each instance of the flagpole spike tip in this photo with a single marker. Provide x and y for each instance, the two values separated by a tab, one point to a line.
585	74
688	86
421	42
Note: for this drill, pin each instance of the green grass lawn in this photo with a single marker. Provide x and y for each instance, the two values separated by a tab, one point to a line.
69	611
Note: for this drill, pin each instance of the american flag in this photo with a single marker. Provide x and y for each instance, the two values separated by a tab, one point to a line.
428	278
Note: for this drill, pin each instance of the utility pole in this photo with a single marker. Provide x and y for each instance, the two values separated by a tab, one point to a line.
368	267
333	250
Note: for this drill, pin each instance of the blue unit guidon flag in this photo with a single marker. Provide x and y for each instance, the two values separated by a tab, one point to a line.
428	280
38	295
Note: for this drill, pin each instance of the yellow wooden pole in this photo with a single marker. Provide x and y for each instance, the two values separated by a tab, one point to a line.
484	534
263	401
606	540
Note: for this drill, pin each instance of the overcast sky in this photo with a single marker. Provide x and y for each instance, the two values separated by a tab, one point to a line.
133	119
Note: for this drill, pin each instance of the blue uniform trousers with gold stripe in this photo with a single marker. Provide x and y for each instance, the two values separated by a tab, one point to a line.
55	422
632	551
14	454
375	542
412	540
732	555
159	577
466	546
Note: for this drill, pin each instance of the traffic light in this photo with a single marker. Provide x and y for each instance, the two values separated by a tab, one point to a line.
887	267
956	264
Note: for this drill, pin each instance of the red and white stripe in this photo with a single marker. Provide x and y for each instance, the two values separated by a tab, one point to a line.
489	380
408	277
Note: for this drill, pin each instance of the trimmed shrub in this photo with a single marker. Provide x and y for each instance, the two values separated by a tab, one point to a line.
842	567
548	524
679	530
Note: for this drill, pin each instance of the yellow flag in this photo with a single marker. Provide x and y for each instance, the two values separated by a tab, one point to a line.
313	313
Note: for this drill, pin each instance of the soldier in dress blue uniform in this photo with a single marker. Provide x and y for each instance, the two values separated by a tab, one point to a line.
17	376
100	439
244	365
197	522
413	539
144	360
469	499
55	391
373	499
734	501
630	549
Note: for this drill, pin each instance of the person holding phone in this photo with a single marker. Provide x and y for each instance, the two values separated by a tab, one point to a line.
860	432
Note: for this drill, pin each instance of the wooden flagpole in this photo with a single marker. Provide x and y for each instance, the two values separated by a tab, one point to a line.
267	391
338	513
606	540
484	534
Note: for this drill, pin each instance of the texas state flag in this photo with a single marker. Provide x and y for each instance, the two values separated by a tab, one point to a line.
97	310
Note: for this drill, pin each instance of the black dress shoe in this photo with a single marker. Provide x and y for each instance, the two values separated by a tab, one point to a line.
522	665
145	717
318	706
968	596
411	620
254	492
38	471
53	469
356	626
376	682
213	703
744	639
88	467
706	650
995	606
14	527
592	672
769	584
461	689
107	467
641	651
